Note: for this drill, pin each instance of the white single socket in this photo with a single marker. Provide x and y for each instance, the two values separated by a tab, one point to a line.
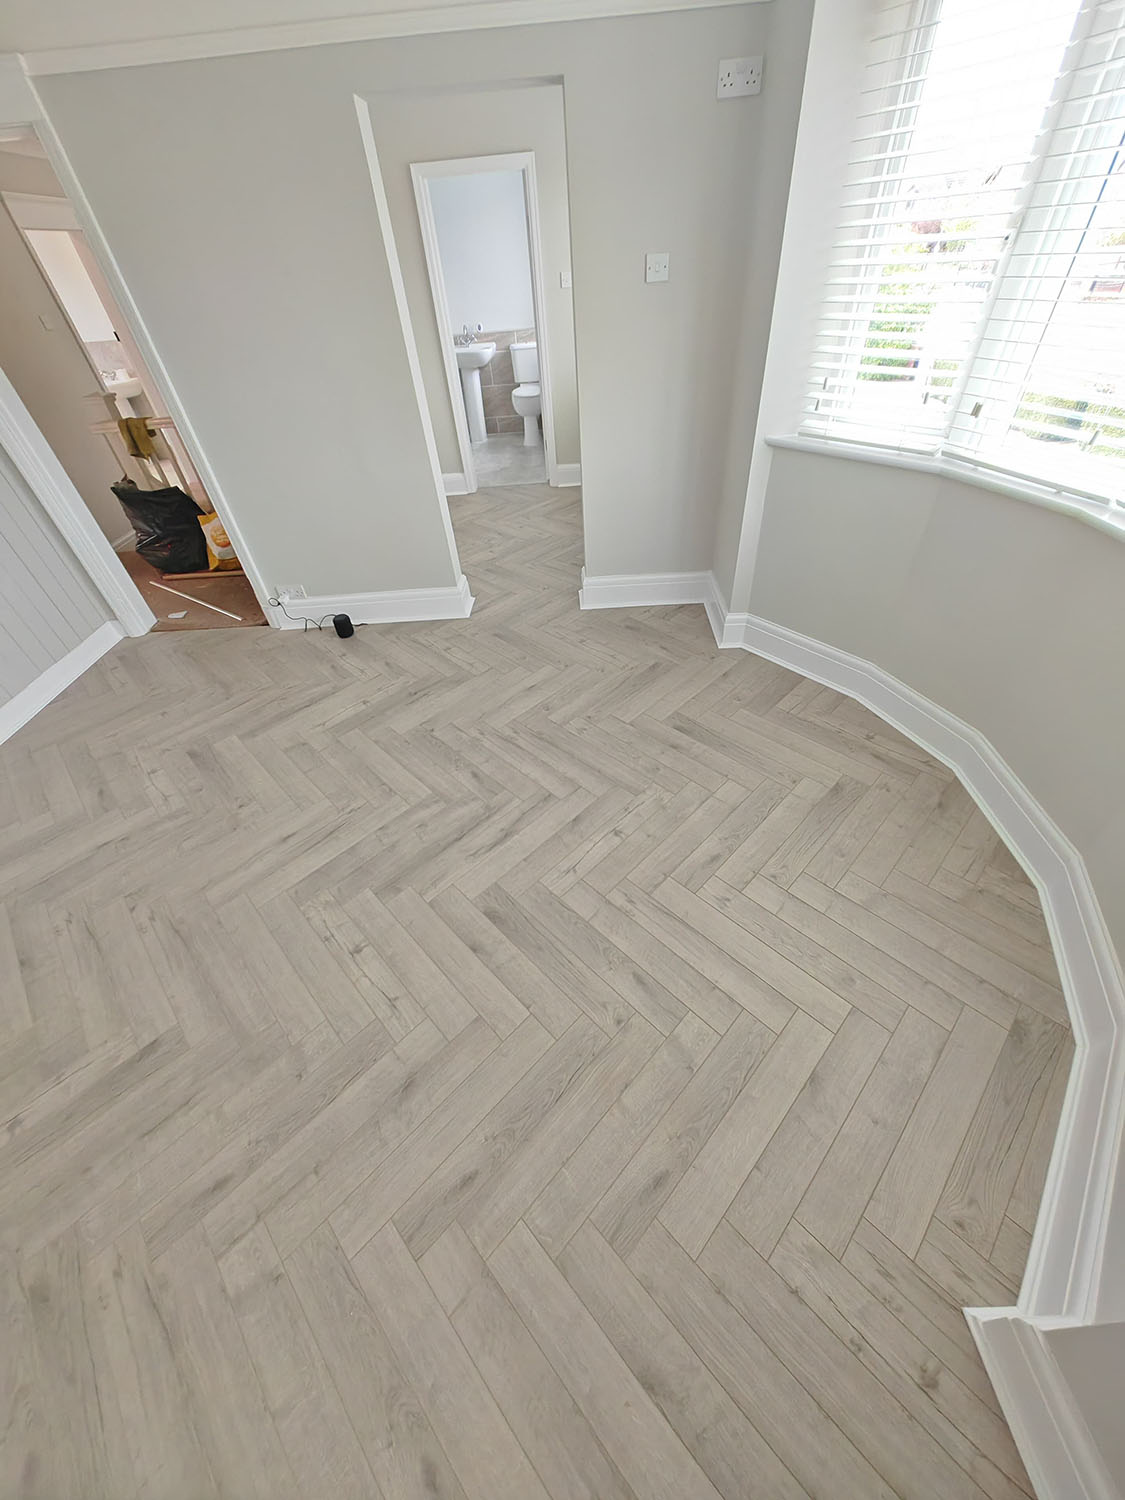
739	76
292	591
656	265
565	279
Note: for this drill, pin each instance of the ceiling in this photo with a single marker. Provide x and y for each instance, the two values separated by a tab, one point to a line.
32	26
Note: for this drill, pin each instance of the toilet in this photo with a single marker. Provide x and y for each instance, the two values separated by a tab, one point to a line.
526	398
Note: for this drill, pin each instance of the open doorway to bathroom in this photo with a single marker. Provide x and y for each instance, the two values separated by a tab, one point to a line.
480	223
72	358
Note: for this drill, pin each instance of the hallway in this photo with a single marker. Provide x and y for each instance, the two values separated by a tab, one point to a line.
532	1056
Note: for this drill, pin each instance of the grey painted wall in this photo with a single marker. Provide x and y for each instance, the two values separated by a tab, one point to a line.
1007	614
481	122
47	606
259	268
1092	1362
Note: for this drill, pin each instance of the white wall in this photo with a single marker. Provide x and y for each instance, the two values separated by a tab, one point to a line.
47	365
412	126
481	224
259	202
47	606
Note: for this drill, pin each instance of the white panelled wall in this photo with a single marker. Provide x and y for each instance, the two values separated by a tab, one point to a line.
49	611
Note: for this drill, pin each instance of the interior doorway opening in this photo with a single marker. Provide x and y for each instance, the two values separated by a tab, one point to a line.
74	361
480	223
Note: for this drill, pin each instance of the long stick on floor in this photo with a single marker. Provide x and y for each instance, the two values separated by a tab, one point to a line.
192	600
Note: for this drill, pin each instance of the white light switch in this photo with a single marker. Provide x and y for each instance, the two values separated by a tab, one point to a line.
656	265
564	279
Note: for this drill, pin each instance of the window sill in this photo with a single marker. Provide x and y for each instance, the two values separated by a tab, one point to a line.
1089	511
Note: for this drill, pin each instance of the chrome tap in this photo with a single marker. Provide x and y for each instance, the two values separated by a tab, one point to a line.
467	335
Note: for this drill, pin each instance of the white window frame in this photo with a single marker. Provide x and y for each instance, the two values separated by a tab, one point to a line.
1107	512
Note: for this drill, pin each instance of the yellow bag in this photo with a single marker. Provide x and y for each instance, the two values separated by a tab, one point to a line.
221	556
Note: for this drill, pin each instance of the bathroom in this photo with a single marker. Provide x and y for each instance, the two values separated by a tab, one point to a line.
479	240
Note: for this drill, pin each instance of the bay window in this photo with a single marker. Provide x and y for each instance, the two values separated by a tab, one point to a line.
974	303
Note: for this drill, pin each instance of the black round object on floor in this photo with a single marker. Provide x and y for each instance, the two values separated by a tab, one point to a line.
343	625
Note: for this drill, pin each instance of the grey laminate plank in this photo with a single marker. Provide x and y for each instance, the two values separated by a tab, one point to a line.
914	1177
633	1432
837	1195
541	1412
317	1436
803	1436
712	1181
892	1440
405	1456
451	1390
722	1439
651	1174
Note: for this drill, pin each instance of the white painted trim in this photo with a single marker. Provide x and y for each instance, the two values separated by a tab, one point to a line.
423	21
1063	1276
51	486
1072	1260
392	606
432	252
49	684
125	541
121	295
633	590
455	484
398	287
464	166
999	481
567	475
1055	1444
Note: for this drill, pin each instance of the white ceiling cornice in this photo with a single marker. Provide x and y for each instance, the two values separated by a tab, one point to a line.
469	15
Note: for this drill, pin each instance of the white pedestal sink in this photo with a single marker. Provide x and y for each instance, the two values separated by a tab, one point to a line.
471	360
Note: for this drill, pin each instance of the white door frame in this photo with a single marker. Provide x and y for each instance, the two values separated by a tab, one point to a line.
138	329
513	161
31	211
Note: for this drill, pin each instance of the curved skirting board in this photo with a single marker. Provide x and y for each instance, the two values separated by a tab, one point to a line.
1074	1271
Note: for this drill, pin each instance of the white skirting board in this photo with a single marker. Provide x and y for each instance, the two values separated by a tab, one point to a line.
1055	1444
455	484
393	606
625	590
1074	1271
567	475
49	684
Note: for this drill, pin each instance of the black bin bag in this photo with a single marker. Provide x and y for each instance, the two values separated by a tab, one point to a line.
167	526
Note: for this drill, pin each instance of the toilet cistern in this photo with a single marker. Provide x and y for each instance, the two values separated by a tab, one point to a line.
471	360
527	400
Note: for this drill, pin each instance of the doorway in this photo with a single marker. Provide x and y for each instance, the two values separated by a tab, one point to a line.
480	223
74	361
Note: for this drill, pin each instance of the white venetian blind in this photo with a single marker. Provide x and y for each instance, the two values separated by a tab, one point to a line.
1045	395
974	299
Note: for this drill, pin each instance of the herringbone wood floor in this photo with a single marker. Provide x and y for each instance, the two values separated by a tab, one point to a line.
531	1056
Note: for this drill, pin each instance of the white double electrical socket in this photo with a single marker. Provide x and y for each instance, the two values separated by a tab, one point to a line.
739	76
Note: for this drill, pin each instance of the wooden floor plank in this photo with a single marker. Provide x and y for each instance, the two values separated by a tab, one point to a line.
531	1055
